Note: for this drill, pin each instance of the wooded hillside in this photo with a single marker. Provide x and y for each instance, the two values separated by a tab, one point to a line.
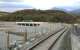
39	16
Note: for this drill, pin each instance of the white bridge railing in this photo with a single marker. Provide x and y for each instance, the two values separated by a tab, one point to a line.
33	33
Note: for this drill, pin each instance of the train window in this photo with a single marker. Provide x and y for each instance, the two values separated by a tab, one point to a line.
27	24
31	24
34	24
23	24
38	24
19	24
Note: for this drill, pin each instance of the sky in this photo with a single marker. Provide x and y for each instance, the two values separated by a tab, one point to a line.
13	5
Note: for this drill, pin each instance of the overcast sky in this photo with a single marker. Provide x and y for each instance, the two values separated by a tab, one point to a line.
12	5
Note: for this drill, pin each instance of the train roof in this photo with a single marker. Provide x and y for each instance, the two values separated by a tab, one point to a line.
32	22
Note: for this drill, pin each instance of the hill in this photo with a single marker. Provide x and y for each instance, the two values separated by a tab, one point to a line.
3	13
40	15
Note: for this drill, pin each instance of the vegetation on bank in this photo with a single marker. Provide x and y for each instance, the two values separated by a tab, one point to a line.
39	16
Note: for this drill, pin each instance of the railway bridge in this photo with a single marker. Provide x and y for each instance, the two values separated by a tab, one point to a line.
56	36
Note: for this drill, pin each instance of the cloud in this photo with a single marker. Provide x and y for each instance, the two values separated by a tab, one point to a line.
11	9
38	4
13	6
11	0
47	4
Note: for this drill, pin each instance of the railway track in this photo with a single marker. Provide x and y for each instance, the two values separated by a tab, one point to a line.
63	42
49	42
